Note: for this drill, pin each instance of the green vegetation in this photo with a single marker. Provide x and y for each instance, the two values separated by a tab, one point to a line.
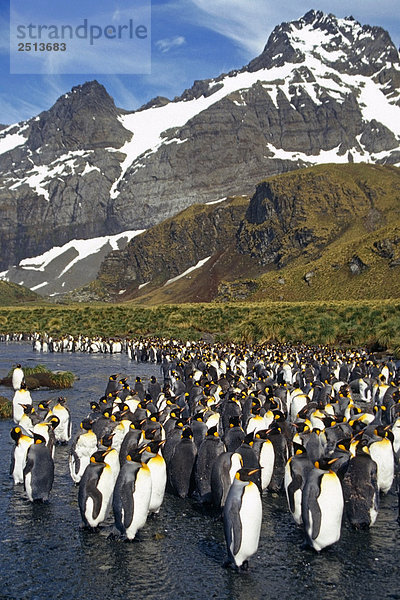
11	293
5	408
370	323
40	376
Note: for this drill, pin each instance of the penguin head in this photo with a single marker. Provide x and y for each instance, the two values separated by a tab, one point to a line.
234	421
136	454
106	440
38	439
213	432
187	434
154	446
325	463
44	404
54	421
16	433
249	439
86	424
97	457
245	474
28	409
299	449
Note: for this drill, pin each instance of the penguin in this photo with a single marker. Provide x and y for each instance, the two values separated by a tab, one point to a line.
199	428
153	458
38	471
81	450
154	388
18	456
181	465
265	453
210	448
132	495
242	518
95	490
64	428
21	397
130	443
17	378
235	435
113	385
381	451
281	454
296	471
223	472
360	489
322	506
139	388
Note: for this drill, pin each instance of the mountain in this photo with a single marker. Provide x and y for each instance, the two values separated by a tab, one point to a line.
323	90
64	268
321	233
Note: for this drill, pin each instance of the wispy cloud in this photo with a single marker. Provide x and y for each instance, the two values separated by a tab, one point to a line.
249	23
167	44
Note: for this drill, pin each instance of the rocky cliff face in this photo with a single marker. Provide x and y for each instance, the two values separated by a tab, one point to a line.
306	233
323	90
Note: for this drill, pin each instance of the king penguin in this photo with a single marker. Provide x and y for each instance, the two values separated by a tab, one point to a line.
95	490
153	458
132	494
322	506
82	449
296	471
223	472
242	518
38	471
18	457
17	377
360	488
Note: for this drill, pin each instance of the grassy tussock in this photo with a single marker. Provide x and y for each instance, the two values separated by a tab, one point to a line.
363	323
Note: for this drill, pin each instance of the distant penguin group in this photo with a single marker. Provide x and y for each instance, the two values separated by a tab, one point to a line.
229	425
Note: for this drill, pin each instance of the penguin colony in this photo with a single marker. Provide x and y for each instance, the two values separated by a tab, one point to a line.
227	425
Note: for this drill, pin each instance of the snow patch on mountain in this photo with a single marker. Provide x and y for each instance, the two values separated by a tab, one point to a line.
63	268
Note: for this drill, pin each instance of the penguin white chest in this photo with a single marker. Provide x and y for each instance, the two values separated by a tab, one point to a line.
331	503
250	515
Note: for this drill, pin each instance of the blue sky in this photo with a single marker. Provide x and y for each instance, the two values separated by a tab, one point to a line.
190	39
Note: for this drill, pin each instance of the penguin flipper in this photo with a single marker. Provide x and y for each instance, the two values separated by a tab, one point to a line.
233	525
310	502
127	503
293	487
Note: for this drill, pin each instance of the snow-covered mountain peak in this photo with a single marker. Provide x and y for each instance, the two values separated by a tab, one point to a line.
341	43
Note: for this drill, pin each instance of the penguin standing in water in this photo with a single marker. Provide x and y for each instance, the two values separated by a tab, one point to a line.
38	471
181	465
17	378
132	494
322	506
360	488
21	397
242	518
296	471
95	490
82	449
210	448
18	457
158	471
63	429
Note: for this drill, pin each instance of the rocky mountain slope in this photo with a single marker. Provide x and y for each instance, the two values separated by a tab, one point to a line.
325	232
323	90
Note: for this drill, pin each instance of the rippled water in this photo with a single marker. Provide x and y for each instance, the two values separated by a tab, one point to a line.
45	554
